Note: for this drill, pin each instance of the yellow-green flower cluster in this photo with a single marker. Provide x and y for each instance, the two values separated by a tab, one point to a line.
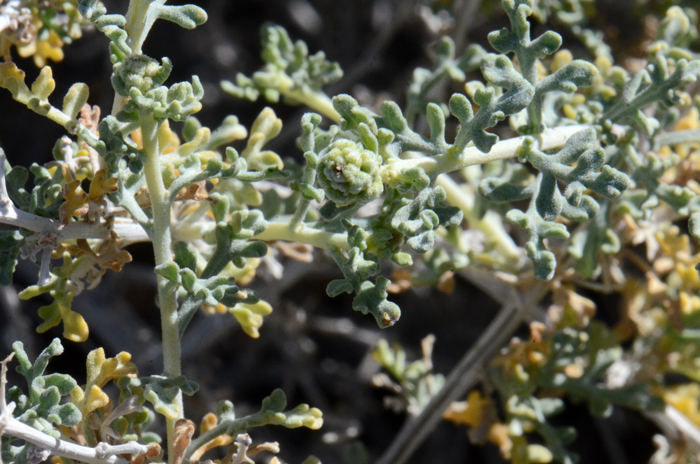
349	173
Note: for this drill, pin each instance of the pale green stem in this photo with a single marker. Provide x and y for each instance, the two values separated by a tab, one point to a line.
676	137
316	100
139	19
297	221
309	178
491	225
549	139
162	246
58	116
304	234
117	104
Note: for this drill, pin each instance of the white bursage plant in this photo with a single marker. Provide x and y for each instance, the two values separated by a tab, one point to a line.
374	190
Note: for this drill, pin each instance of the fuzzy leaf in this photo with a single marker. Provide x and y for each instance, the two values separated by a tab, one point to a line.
74	326
250	316
75	99
42	408
10	244
100	370
158	390
186	16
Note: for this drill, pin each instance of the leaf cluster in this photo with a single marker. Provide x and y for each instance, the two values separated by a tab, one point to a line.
41	407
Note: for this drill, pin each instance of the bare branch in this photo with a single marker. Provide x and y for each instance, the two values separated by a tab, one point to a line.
463	376
126	229
103	453
676	426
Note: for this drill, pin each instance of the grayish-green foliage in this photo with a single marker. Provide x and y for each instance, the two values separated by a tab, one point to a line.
289	70
41	407
373	189
548	202
272	412
569	346
158	390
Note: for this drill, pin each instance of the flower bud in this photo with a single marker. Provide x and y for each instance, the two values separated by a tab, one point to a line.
349	173
140	72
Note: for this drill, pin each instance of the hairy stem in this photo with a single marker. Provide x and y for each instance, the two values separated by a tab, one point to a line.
139	20
316	100
677	137
549	139
117	104
304	234
162	246
230	428
491	224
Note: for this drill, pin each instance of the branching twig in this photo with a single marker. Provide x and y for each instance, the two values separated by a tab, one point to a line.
103	453
463	376
243	441
126	229
129	231
675	425
505	149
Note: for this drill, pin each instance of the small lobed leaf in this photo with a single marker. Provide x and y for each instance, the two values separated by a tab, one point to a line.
303	416
44	84
75	99
337	287
275	403
42	408
372	298
11	243
352	114
12	79
158	390
101	370
186	16
74	326
250	316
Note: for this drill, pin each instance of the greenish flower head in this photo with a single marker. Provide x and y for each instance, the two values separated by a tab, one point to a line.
349	173
141	72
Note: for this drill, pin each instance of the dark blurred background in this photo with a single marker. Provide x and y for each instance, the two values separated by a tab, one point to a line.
314	347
